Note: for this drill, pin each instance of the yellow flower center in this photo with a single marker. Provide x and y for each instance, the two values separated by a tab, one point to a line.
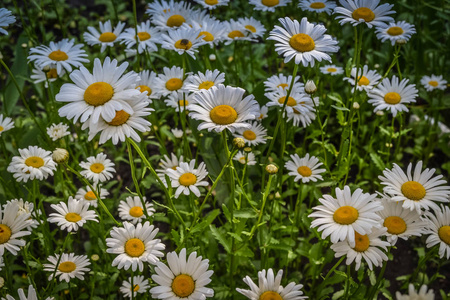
433	83
136	211
304	171
52	74
120	118
183	44
34	161
444	234
208	37
362	242
175	21
211	2
270	3
187	179
283	85
174	84
317	5
395	30
134	247
205	85
290	102
242	160
90	196
345	215
331	70
58	55
143	36
98	93
269	295
223	114
413	190
97	168
249	135
5	233
302	42
183	285
183	103
363	13
136	288
395	225
363	80
251	28
236	34
107	37
392	98
73	217
144	88
1	128
67	267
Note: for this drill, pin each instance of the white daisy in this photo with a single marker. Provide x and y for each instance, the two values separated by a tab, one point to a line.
245	158
254	135
57	131
49	75
395	31
182	278
132	210
269	288
434	82
106	37
317	6
168	163
438	228
180	100
186	178
235	31
140	285
422	294
135	245
203	81
25	207
262	113
222	107
198	17
364	11
160	7
6	18
69	267
72	215
6	124
33	163
255	28
146	83
86	195
183	40
305	168
417	190
171	80
276	81
297	100
332	70
211	31
147	35
342	216
178	133
268	5
101	93
303	41
211	4
173	17
305	116
98	168
31	295
364	246
367	79
63	54
13	227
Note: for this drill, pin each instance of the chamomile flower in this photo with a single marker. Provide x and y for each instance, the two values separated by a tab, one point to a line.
433	82
186	178
146	83
235	31
171	162
33	163
160	7
174	17
305	168
269	287
63	54
69	266
332	70
211	31
6	19
180	100
140	286
254	27
72	215
279	80
365	246
25	207
134	245
245	158
31	295
223	107
305	116
416	191
132	210
342	216
268	5
182	278
254	135
183	40
148	37
98	168
317	6
304	42
57	131
395	31
367	79
49	75
99	94
364	11
422	294
262	113
297	99
86	195
12	228
203	81
106	37
171	80
6	124
211	4
438	228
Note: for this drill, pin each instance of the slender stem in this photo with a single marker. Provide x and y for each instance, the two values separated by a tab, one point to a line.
375	288
136	29
261	211
329	273
63	28
347	283
53	279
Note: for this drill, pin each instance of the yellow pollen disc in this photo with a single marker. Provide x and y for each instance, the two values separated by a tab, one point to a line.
143	36
183	103
144	88
73	217
136	288
290	102
302	42
283	85
134	247
392	98
304	171
107	37
443	232
223	114
363	13
208	37
211	2
34	161
363	80
1	128
251	28
317	5
205	85
242	160
174	84
395	30
236	34
58	55
5	233
120	118
269	295
395	225
183	285
175	21
183	44
433	83
270	3
97	168
52	74
362	242
67	267
413	190
90	196
187	179
136	211
345	215
249	135
98	93
331	70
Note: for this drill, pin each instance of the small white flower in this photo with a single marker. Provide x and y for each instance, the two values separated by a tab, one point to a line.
72	215
332	70
148	37
31	293
254	27
69	267
57	131
305	168
395	31
6	19
268	5
367	79
434	82
86	195
364	11
279	80
12	228
140	285
422	294
48	75
317	6
168	163
438	228
186	178
106	37
310	87
25	207
200	81
178	133
6	124
180	100
98	168
170	81
211	4
254	135
245	158
33	163
132	210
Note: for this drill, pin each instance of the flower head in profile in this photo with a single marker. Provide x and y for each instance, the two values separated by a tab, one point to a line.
368	12
204	81
31	295
211	4
280	80
422	294
438	228
86	195
106	37
332	70
317	6
6	19
6	123
269	5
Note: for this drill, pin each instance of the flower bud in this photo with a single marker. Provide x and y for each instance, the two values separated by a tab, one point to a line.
380	113
310	87
355	105
400	41
60	155
239	142
248	149
271	169
212	57
95	257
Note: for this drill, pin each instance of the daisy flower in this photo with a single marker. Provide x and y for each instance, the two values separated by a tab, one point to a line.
434	82
6	18
25	207
173	17
180	100
438	228
183	40
86	195
269	287
415	191
63	54
203	81
395	31
211	31
305	168
245	158
134	245
254	135
33	163
31	295
254	27
367	79
148	37
168	163
342	216
235	30
49	75
72	215
13	227
422	294
297	100
365	246
146	83
98	168
106	37
6	124
305	116
186	179
222	107
276	81
332	70
140	285
160	7
211	4
317	6
57	131
69	267
262	113
132	210
182	278
364	11
268	5
305	42
99	94
171	80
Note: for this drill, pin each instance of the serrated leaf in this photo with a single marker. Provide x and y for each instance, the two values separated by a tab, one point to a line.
206	222
245	213
377	161
340	108
220	237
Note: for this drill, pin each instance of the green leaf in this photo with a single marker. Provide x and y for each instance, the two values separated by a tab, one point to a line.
206	222
340	108
377	161
246	213
220	237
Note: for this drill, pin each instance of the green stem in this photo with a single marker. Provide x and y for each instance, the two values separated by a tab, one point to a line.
347	282
136	29
63	28
261	211
375	288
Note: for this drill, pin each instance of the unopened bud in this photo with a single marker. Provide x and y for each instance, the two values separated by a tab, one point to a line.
73	24
355	105
310	87
24	45
60	155
2	282
248	149
380	113
271	169
401	42
95	257
123	18
239	142
46	69
212	57
277	195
